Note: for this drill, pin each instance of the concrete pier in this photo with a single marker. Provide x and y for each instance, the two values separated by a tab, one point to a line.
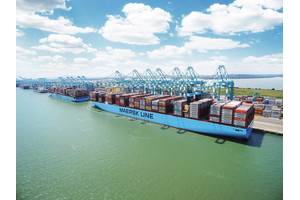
268	124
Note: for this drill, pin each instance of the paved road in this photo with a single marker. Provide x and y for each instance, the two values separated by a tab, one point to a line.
268	124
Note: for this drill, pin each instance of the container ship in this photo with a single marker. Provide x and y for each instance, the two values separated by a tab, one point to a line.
69	94
41	90
207	116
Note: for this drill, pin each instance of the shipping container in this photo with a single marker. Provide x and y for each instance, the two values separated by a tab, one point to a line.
110	98
243	115
200	109
101	97
134	101
267	113
179	107
149	99
124	99
154	106
216	111
166	105
228	111
276	113
94	95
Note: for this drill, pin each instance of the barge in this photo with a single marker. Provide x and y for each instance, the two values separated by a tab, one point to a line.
196	125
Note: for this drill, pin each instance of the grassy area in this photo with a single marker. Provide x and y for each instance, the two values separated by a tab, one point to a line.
262	92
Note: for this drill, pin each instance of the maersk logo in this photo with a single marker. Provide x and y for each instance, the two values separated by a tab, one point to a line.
136	113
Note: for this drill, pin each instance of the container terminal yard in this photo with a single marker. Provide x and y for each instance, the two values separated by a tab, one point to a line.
181	100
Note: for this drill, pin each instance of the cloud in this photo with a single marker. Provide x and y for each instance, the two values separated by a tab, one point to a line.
203	44
50	59
218	58
19	33
265	64
108	57
239	16
139	26
195	43
60	43
266	59
167	51
23	53
29	12
45	7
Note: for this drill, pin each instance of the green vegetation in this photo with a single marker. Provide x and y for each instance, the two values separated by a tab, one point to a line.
261	92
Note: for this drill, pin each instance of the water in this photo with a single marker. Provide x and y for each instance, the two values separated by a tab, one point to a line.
69	151
264	83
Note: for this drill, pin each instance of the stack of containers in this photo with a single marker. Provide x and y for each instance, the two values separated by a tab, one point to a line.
200	109
266	101
117	98
179	106
228	112
166	105
267	109
259	107
276	113
272	101
101	97
110	98
133	98
80	92
248	99
279	102
148	100
259	99
216	111
51	89
124	99
142	102
243	115
154	106
267	113
70	92
136	100
94	95
238	98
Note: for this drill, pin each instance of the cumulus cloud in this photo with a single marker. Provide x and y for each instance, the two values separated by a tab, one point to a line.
266	59
139	26
265	64
108	57
167	51
105	61
33	14
195	43
46	7
23	53
60	43
50	59
239	16
19	33
203	44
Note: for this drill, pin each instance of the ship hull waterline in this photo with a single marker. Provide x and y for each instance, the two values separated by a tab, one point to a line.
68	98
205	127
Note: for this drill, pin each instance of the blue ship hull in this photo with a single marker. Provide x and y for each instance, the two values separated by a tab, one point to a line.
68	98
204	127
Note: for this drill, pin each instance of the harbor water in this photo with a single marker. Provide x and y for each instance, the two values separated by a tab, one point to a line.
72	151
263	83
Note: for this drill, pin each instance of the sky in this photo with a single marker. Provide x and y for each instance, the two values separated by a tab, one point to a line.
97	37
